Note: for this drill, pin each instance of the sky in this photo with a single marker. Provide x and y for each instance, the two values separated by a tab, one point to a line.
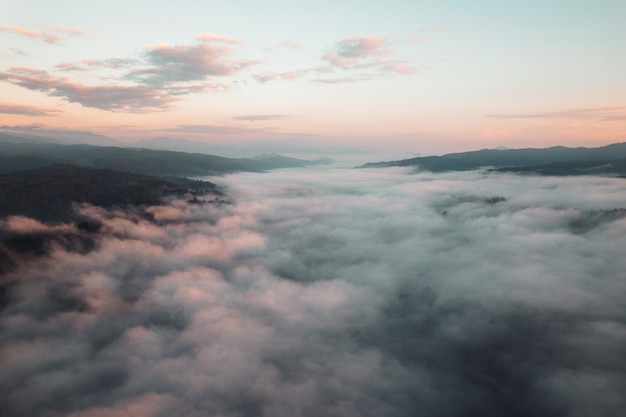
418	76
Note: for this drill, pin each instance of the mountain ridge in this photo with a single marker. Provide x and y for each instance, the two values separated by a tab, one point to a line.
24	156
529	160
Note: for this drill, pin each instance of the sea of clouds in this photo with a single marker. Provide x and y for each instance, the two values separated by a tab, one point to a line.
331	293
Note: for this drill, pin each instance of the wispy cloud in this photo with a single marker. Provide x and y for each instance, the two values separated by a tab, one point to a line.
361	47
92	64
239	129
116	97
343	80
207	129
72	31
215	37
18	51
352	52
152	81
162	73
50	38
597	113
266	76
10	108
257	117
51	34
361	58
368	52
166	63
398	67
422	34
293	45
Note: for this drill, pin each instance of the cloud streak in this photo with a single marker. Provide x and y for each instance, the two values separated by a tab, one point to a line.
163	73
50	38
260	117
368	52
347	292
358	58
152	82
286	76
93	64
10	108
604	114
176	63
113	97
52	35
131	98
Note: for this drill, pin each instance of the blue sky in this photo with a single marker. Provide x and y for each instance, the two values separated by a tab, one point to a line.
419	76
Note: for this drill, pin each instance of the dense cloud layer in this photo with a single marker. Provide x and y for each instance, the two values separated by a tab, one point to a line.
335	293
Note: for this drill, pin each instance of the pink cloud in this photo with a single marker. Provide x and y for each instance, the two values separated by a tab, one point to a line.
213	37
400	68
170	63
597	113
293	75
10	108
90	64
69	30
344	80
273	75
369	52
107	97
358	52
179	89
50	38
340	61
168	72
206	130
27	71
51	35
265	76
257	117
383	66
361	47
26	225
70	66
151	82
355	54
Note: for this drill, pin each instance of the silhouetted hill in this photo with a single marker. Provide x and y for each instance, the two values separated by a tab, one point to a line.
65	137
10	137
244	149
48	193
593	167
140	161
273	161
556	160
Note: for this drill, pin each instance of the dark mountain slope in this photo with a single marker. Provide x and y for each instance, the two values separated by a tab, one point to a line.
574	158
48	193
140	161
593	167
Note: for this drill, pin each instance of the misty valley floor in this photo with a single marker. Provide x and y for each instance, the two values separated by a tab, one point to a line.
331	293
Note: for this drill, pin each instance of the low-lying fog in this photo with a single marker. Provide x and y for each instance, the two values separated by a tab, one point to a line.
332	293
